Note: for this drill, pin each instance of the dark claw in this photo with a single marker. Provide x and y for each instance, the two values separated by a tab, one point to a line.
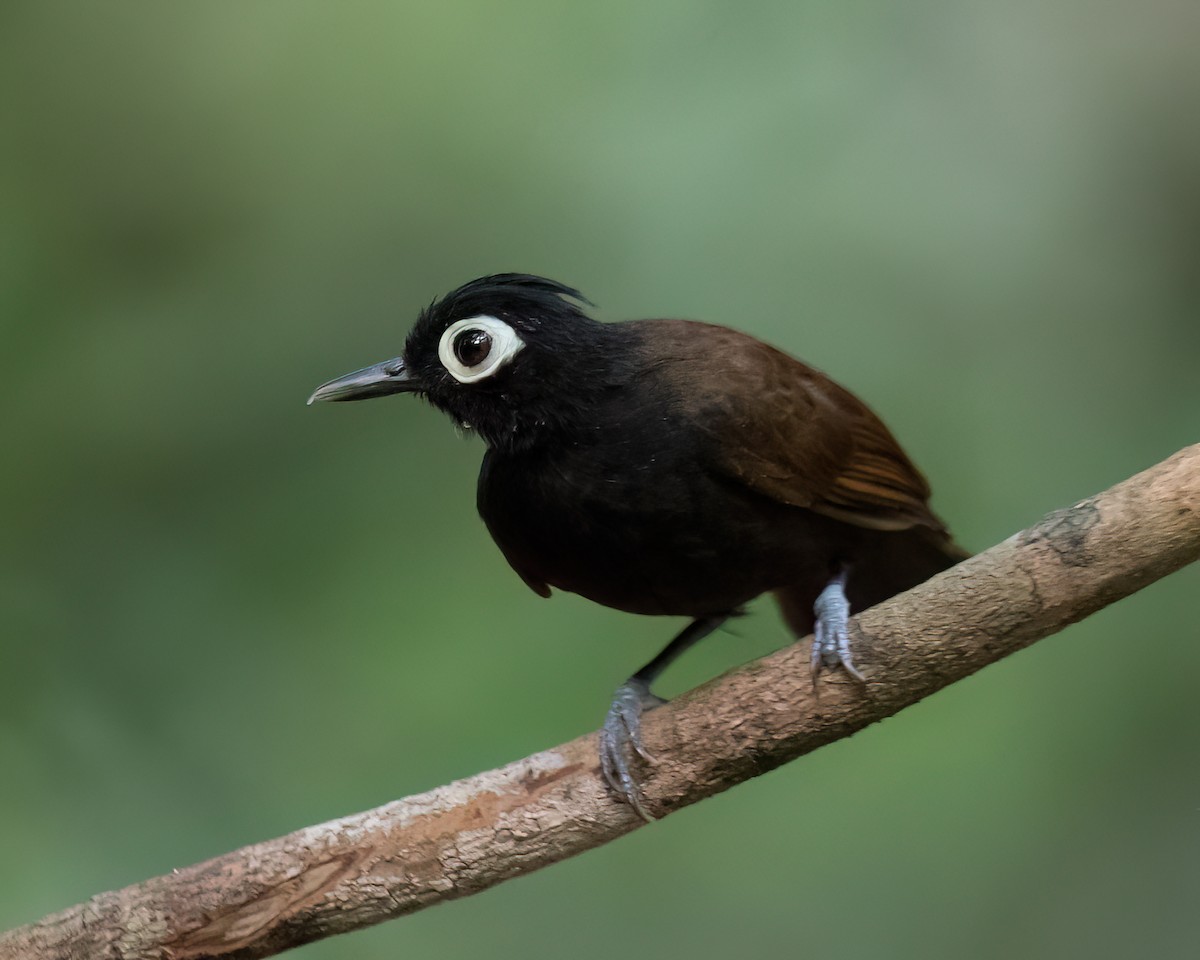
621	736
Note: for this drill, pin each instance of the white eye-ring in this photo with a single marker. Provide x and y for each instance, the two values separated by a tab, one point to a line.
476	348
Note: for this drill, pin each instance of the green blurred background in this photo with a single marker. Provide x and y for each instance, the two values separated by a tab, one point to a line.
224	615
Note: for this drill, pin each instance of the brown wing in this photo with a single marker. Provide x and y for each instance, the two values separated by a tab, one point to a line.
790	432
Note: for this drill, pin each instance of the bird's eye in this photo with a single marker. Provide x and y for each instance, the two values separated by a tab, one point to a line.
472	346
476	348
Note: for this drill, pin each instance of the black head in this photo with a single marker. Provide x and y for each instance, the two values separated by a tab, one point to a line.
510	356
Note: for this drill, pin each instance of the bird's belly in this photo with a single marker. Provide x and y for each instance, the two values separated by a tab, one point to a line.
680	543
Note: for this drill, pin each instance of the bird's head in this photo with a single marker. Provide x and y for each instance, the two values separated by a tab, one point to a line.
510	356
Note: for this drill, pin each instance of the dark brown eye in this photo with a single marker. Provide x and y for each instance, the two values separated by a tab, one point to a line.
472	347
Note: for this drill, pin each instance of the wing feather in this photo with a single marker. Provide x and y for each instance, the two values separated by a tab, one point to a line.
789	432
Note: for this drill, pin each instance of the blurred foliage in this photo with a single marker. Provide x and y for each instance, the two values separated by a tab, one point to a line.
224	615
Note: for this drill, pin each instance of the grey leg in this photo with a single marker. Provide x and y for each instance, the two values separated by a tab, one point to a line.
831	634
621	734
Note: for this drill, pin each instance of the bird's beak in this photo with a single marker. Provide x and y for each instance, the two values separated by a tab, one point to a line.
391	376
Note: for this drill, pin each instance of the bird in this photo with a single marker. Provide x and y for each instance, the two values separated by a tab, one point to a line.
666	467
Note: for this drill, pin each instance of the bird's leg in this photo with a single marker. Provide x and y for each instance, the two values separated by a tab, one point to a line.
831	632
622	730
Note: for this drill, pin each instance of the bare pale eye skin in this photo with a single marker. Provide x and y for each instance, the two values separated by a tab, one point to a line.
474	348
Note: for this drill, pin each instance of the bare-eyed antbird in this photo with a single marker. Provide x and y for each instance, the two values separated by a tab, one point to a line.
667	467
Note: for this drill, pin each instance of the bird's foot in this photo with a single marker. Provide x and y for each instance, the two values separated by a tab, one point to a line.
831	634
621	736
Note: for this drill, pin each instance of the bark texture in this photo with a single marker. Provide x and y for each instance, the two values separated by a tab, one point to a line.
464	837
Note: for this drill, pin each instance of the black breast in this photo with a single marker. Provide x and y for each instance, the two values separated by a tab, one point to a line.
631	512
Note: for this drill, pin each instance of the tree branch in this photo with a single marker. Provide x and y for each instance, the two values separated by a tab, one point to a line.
467	836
